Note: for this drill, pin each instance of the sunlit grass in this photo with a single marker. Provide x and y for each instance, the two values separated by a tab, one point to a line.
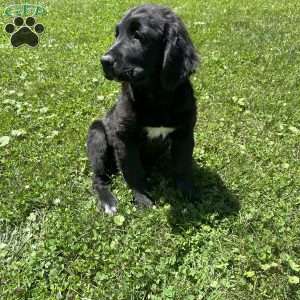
241	241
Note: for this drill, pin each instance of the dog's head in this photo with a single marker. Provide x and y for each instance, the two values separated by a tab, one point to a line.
151	45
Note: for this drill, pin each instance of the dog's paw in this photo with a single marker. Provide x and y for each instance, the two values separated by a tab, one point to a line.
109	208
142	200
108	204
24	33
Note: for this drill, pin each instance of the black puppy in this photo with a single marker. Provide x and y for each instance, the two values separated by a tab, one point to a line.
152	57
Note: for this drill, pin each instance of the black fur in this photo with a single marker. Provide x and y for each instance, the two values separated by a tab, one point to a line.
152	57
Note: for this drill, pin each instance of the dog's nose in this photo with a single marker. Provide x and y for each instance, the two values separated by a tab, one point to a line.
107	61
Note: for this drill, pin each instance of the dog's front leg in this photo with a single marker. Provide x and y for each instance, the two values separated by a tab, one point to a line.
182	157
129	162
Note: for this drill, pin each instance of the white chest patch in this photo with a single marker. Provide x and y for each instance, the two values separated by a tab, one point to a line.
155	132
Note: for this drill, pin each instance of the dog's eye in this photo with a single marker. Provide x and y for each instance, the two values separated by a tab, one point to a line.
135	30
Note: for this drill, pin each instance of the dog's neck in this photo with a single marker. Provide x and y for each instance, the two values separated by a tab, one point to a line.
153	93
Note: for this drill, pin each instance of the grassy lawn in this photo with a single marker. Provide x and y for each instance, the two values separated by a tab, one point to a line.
241	241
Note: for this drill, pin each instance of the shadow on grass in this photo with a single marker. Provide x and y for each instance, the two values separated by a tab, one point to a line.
213	201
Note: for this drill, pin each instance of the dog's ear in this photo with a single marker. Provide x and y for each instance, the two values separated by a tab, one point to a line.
180	58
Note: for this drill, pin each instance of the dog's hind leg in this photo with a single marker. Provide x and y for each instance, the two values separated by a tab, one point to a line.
103	165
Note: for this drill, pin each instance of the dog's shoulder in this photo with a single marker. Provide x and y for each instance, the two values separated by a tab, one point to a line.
121	119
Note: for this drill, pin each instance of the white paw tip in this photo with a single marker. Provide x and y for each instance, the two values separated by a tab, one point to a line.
108	209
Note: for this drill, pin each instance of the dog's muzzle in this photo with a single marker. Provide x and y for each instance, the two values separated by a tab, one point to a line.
111	71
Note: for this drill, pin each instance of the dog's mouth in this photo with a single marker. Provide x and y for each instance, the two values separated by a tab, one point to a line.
135	74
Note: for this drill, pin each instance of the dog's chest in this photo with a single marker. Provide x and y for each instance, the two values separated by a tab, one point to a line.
156	132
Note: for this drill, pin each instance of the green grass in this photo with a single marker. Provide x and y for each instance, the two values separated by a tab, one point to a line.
241	241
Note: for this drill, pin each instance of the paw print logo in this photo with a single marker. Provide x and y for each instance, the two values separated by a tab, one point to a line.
24	33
